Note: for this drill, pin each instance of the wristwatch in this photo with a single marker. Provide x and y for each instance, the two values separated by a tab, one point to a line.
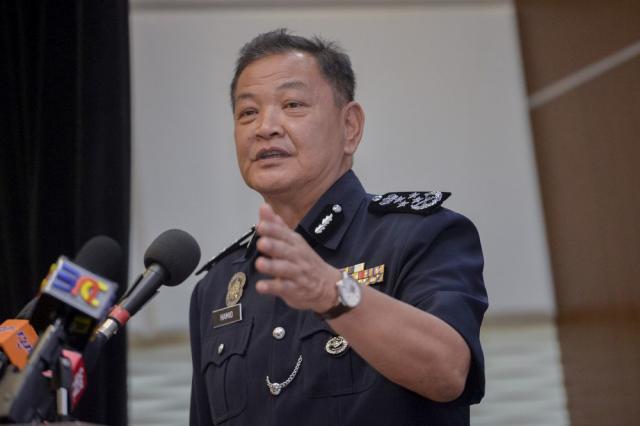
349	296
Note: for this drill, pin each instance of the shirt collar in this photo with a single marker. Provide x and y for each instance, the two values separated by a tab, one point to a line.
328	220
347	193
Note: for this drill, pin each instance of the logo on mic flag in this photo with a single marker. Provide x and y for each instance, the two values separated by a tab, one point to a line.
23	341
89	289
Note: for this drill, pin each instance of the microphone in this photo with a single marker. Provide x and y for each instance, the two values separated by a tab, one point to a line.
77	293
101	255
169	260
76	297
72	300
18	337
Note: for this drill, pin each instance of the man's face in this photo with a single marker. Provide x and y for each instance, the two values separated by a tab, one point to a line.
289	131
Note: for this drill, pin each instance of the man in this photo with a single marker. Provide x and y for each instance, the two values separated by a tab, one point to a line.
342	307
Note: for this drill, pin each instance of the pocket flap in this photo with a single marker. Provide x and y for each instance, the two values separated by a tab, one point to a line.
226	341
312	324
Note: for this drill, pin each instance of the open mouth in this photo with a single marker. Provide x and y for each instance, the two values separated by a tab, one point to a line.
267	154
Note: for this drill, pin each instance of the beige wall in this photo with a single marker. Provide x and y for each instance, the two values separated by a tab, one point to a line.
582	63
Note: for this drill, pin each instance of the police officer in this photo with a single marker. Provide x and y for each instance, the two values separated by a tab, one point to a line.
340	307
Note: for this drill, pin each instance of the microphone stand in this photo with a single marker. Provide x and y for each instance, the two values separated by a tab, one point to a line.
62	380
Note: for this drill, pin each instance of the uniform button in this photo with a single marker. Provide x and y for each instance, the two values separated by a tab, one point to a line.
220	348
278	333
337	208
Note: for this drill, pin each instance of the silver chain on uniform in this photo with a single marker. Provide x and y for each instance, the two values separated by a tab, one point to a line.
275	388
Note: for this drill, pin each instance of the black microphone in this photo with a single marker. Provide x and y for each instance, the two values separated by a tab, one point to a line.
102	256
170	259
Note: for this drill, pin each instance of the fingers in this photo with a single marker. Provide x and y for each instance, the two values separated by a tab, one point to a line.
276	231
277	287
273	226
266	213
274	248
279	268
295	271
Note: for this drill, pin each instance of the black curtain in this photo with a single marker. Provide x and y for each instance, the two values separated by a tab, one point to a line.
65	156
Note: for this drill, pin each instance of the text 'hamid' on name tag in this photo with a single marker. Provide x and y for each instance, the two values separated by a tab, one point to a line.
227	315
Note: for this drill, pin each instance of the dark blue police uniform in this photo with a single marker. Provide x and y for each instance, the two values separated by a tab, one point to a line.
403	244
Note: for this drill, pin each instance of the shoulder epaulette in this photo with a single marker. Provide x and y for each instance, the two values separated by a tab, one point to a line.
423	203
242	241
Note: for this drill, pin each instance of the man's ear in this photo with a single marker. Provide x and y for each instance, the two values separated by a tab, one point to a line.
353	116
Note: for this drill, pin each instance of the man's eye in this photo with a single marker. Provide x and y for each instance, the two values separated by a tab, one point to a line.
292	104
246	113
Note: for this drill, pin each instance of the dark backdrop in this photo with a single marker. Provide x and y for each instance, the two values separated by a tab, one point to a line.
65	155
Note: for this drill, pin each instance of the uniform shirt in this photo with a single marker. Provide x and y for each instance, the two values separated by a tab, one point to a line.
433	262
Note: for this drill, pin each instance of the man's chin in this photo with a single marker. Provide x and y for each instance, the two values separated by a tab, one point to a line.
271	185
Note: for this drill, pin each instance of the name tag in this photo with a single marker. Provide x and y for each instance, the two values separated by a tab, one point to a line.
227	315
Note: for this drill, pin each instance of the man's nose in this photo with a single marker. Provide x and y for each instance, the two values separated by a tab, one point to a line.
269	125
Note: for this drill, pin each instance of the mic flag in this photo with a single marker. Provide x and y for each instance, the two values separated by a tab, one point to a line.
78	375
17	339
78	296
80	288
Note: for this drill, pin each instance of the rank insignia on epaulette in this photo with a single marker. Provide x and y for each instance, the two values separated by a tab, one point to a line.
423	203
369	276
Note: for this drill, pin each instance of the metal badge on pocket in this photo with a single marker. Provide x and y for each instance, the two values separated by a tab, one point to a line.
235	288
337	345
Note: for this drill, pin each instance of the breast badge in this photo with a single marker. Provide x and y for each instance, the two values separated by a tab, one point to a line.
336	346
235	288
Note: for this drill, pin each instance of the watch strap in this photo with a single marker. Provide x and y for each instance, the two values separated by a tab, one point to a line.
335	312
339	308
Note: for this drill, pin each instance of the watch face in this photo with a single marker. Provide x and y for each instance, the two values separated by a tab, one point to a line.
350	292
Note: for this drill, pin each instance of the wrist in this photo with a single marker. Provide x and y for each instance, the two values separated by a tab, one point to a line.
349	295
329	298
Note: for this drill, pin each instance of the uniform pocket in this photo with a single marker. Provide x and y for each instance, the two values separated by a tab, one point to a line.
327	375
223	368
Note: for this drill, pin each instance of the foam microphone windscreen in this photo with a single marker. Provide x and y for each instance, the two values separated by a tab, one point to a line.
102	256
177	252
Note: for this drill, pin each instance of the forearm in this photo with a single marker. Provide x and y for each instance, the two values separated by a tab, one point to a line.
406	345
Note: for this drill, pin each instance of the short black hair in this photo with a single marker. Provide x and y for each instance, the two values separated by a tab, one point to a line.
334	63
